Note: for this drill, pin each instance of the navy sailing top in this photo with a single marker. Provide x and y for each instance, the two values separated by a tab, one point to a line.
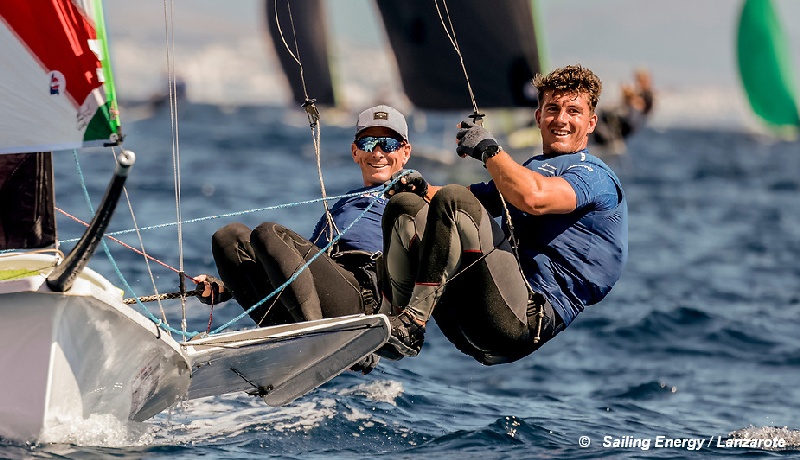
572	259
366	235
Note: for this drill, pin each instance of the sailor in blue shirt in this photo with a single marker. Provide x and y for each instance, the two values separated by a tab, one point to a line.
499	292
584	251
253	263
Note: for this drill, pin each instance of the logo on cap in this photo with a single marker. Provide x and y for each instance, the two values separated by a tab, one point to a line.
380	116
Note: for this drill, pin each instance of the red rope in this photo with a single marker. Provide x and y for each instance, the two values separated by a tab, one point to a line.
123	244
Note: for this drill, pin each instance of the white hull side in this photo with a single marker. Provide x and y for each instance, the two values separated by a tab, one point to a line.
68	356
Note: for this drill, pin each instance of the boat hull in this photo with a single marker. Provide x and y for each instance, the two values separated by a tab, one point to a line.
281	363
68	356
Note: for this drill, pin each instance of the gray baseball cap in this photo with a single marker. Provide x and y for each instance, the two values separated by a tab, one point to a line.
383	115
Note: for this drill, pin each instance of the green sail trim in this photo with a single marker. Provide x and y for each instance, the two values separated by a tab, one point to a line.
765	65
538	32
100	126
111	108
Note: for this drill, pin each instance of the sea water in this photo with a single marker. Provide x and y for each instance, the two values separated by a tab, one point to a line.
694	354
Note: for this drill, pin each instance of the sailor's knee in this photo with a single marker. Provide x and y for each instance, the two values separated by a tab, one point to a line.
268	227
451	192
230	234
271	234
456	197
407	202
400	204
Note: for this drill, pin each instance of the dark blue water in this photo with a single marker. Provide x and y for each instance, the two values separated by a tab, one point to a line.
698	340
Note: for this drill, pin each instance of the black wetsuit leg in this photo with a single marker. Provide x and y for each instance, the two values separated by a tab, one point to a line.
244	275
324	290
254	263
403	223
482	305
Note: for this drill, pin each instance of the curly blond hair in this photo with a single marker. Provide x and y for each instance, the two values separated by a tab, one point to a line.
572	78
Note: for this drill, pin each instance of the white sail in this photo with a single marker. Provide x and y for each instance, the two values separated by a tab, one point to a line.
55	93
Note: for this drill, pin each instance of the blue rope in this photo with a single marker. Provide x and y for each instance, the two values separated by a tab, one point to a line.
159	323
312	259
113	262
219	216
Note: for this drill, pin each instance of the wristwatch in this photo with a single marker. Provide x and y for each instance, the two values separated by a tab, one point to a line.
490	151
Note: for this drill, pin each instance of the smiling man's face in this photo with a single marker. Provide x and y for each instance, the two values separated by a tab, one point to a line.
565	119
378	166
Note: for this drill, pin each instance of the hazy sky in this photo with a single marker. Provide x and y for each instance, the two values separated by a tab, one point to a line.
222	48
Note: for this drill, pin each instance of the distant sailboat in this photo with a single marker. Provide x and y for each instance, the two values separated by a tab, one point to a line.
497	39
765	66
307	27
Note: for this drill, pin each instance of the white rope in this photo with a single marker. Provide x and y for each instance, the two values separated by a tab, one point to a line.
311	112
169	36
451	35
144	252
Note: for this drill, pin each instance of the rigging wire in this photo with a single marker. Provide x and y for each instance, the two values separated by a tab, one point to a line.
144	253
451	35
137	230
311	112
141	251
169	35
160	324
477	117
220	216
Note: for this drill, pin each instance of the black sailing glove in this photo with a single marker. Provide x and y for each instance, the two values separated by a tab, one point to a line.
412	182
218	292
474	140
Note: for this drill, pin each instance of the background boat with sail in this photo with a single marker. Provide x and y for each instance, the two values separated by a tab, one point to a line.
765	67
501	61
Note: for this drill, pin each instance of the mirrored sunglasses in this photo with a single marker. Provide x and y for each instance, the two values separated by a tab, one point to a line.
387	144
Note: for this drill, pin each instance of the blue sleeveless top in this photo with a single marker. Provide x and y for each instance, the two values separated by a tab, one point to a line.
572	259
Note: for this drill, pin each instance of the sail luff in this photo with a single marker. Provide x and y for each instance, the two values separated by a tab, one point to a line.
765	65
538	32
108	74
307	28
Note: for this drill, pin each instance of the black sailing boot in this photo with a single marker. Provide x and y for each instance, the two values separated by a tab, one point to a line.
367	364
406	339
